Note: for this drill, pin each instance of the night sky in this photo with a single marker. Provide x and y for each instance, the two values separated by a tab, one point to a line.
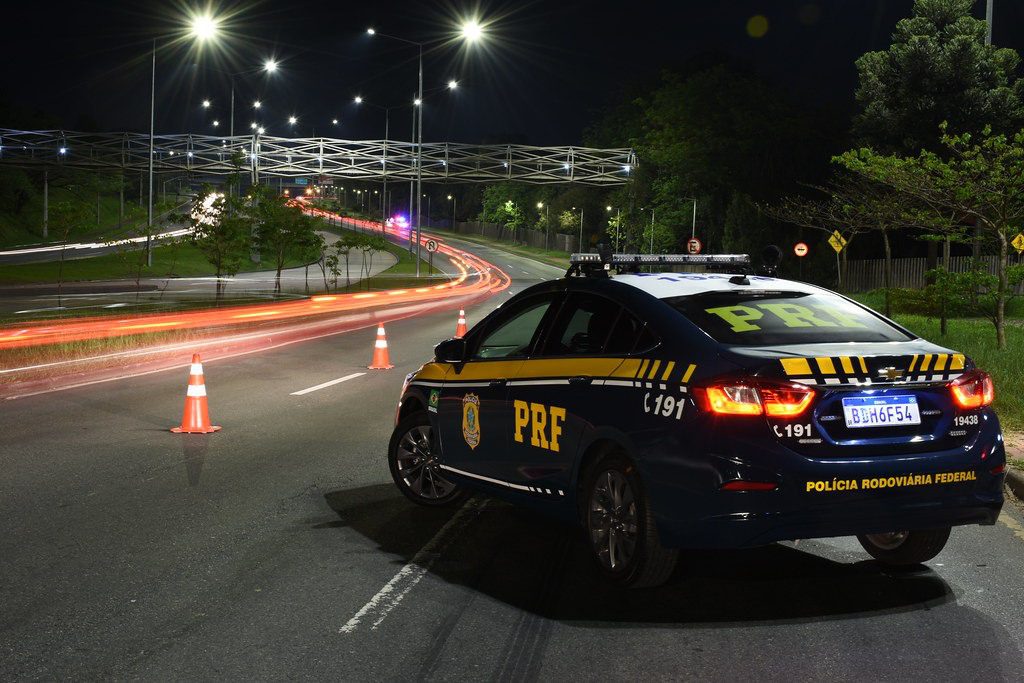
543	72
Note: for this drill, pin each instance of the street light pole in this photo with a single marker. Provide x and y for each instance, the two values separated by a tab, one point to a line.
652	230
419	165
580	245
988	22
152	116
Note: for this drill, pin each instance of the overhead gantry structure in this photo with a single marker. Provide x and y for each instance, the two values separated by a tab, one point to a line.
262	156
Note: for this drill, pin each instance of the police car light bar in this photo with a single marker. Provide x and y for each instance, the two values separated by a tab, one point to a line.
657	259
601	263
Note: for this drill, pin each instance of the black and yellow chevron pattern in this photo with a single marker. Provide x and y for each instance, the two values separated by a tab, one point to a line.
929	367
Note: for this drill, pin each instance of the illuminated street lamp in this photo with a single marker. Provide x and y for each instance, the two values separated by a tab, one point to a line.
206	104
270	66
257	104
334	121
202	27
453	84
216	123
471	32
293	120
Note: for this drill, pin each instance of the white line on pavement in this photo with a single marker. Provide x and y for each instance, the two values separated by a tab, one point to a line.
328	384
388	597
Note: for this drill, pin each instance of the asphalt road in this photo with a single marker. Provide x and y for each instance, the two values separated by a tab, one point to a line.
278	548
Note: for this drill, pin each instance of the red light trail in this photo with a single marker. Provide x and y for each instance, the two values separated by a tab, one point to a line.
476	277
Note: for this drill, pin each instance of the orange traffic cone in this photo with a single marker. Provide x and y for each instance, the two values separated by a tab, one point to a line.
380	352
196	419
460	328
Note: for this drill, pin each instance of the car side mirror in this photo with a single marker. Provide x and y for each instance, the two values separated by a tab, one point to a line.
450	351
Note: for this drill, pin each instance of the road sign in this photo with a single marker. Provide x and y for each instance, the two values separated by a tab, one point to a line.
837	241
302	181
1018	242
800	249
431	246
693	245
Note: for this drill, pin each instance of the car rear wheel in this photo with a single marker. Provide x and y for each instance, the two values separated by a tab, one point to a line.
620	527
415	467
905	548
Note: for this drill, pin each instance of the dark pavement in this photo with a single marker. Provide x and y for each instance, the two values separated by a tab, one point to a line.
278	548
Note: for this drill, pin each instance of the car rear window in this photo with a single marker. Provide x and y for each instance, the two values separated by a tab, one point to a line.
769	318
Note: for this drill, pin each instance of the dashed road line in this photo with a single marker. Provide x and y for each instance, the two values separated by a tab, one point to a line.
318	387
389	597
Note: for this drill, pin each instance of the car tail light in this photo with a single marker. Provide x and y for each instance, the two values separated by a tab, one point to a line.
972	390
757	398
786	401
733	400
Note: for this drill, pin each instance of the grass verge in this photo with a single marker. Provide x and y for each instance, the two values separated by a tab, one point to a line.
559	259
977	339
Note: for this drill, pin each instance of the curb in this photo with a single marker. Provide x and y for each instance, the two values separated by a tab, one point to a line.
1015	482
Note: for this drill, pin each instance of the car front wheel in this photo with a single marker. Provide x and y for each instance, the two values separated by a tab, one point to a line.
413	457
905	548
620	526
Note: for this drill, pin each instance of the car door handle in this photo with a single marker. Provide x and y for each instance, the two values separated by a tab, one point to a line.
498	382
581	380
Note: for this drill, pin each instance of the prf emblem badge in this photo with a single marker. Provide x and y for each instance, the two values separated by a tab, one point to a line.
471	419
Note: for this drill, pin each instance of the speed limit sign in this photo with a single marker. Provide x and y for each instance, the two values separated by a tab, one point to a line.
431	246
693	245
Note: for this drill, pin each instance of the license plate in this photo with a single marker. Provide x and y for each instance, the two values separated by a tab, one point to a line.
881	411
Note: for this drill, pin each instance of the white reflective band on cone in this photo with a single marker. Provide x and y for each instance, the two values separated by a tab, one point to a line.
380	331
196	369
381	344
196	390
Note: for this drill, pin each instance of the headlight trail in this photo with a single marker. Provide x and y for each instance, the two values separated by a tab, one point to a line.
475	276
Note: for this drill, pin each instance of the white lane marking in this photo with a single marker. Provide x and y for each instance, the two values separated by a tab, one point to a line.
388	597
525	272
318	387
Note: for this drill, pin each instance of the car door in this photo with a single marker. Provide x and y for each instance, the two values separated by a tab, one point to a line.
559	391
474	417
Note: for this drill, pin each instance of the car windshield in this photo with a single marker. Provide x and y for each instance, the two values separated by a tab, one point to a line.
768	318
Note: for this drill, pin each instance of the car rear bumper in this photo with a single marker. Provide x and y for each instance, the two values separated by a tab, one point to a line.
818	498
746	528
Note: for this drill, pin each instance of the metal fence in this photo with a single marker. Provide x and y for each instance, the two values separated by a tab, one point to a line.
909	273
266	155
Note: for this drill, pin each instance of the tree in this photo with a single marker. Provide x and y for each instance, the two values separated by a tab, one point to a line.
978	179
502	204
311	250
853	205
347	241
221	231
281	227
65	216
371	244
937	69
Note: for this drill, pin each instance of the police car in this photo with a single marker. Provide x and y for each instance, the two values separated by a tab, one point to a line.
668	410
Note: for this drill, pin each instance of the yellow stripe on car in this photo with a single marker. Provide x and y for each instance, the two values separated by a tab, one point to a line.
796	366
